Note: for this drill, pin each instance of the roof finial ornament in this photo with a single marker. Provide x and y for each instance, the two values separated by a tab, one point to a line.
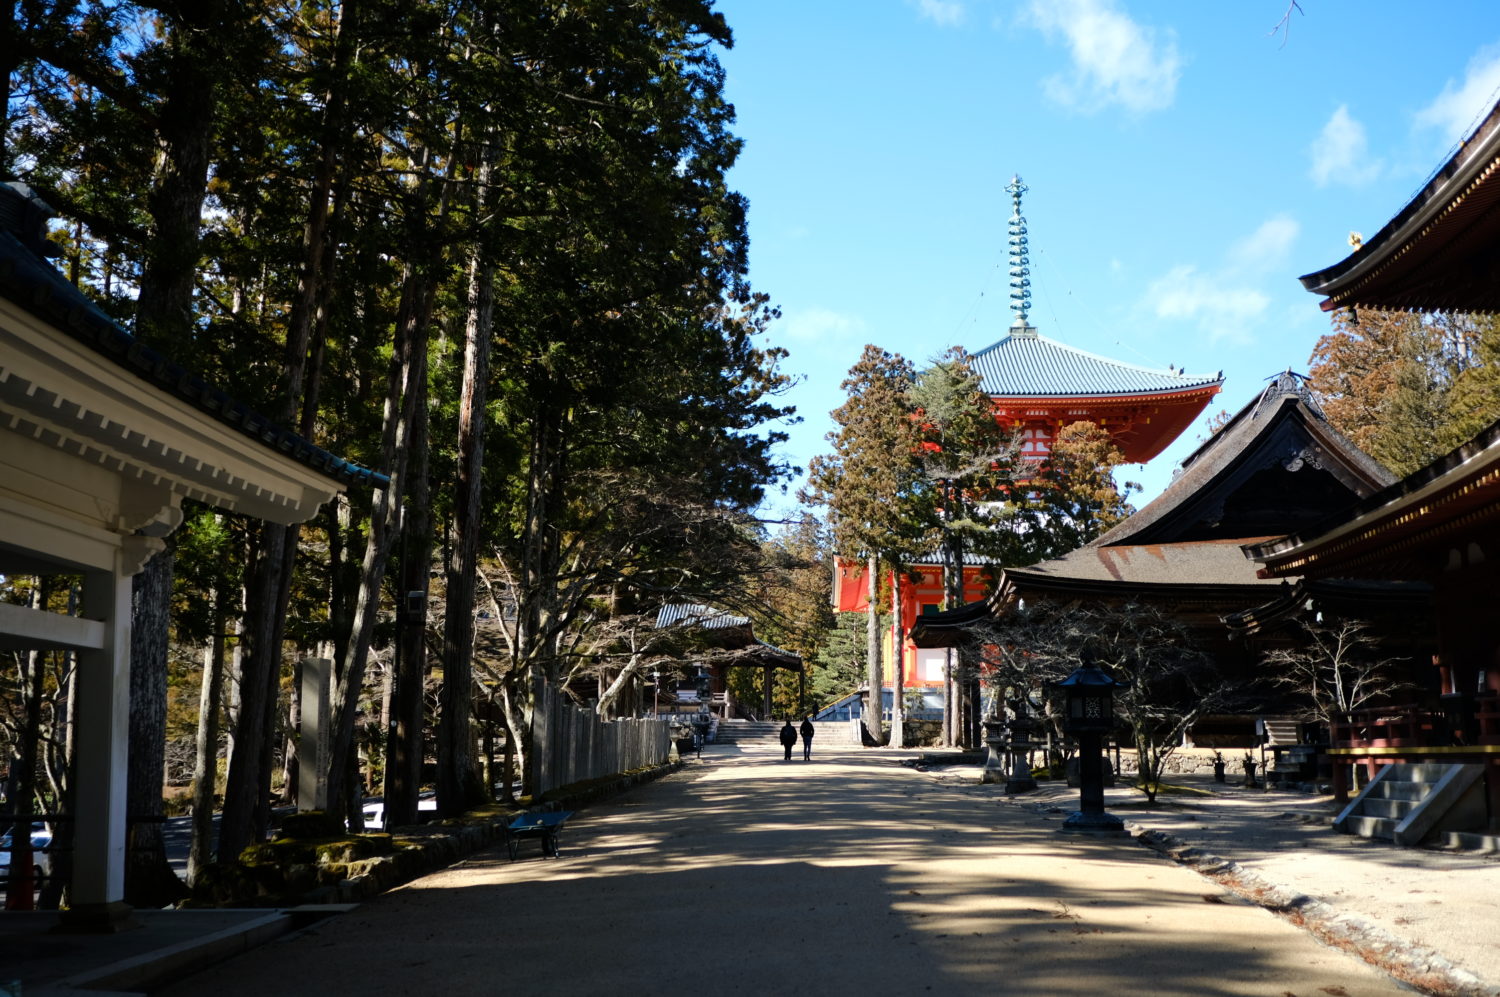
1020	263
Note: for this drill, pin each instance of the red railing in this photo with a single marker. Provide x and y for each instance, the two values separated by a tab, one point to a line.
1391	727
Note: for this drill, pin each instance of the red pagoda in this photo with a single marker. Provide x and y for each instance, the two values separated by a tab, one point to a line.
1038	386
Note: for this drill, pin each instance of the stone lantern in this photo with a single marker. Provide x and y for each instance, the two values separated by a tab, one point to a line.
1088	716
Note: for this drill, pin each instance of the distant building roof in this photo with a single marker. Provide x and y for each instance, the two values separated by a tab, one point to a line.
1027	364
696	615
743	648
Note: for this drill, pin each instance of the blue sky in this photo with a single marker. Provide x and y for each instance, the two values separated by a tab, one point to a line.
1185	164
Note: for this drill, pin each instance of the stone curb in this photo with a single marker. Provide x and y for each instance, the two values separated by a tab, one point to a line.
439	845
1413	964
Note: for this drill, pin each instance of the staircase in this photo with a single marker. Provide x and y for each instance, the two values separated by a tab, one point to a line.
747	732
1407	804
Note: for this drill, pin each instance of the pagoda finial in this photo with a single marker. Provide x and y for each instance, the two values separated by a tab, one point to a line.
1020	263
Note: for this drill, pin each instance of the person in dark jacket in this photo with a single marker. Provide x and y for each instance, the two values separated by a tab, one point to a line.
788	738
807	736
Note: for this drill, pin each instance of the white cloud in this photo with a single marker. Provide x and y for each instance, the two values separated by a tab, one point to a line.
1226	303
1115	60
1455	111
1341	152
944	13
820	325
1267	247
1208	299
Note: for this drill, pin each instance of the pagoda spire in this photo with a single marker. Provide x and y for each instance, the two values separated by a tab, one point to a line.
1020	263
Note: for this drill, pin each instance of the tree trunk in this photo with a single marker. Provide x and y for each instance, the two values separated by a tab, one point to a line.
244	819
404	391
456	789
206	758
149	879
957	729
19	892
898	667
873	720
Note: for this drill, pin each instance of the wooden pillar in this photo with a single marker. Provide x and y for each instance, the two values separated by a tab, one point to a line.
101	745
770	681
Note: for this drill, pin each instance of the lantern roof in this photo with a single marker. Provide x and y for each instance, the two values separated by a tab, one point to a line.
1089	677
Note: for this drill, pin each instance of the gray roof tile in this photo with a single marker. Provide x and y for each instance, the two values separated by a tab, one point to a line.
1028	364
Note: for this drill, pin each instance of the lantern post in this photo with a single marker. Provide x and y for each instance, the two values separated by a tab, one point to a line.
1089	704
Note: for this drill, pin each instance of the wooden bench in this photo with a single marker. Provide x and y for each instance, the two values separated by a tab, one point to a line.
546	826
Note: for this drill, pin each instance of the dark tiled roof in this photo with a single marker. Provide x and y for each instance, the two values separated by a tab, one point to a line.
1401	523
1286	397
1026	364
940	629
32	284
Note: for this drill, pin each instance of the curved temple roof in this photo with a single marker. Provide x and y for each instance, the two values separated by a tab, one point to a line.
1026	364
1441	252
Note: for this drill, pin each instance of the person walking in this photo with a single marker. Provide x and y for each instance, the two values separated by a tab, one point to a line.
807	736
788	738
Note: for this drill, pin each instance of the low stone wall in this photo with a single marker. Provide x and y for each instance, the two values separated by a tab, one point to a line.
289	872
1194	761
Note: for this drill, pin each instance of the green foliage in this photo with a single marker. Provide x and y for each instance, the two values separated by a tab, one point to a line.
325	159
970	463
839	665
872	482
1073	498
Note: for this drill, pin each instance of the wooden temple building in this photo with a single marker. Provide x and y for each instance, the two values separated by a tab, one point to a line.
1275	467
727	640
1441	524
1038	386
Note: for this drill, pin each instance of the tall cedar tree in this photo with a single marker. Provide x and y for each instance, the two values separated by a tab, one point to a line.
872	485
341	138
970	463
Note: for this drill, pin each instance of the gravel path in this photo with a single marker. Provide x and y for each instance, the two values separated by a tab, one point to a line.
850	874
1431	913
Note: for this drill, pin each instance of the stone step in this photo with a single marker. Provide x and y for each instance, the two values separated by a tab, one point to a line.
1282	732
745	731
1423	772
1371	827
1389	789
1467	841
1395	809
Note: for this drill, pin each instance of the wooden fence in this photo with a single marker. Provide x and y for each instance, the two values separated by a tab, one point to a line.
571	744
